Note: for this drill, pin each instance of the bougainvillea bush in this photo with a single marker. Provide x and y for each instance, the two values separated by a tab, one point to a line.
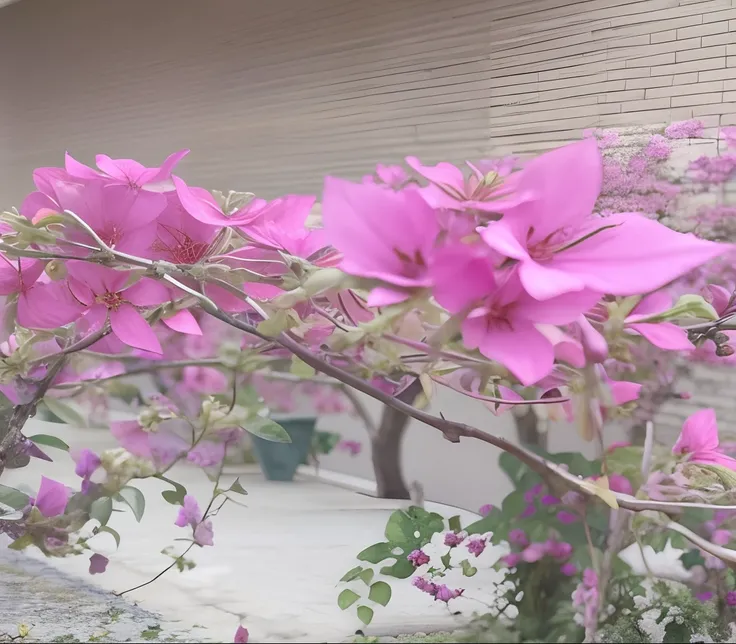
513	283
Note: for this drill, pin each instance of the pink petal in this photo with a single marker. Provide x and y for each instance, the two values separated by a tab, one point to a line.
381	296
35	202
52	497
76	169
183	322
95	317
130	327
664	335
147	292
100	279
48	306
442	174
652	304
202	209
131	436
461	275
522	349
167	167
699	433
506	394
18	274
623	391
637	256
562	309
715	458
718	296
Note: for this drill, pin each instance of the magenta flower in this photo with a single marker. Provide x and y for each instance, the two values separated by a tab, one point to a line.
383	235
731	597
453	539
445	594
529	510
720	537
485	510
561	248
690	129
180	238
512	559
97	564
518	537
191	515
590	578
105	293
699	440
161	447
558	549
87	463
241	636
568	569
418	558
704	596
619	483
204	380
352	447
548	499
52	498
534	552
503	318
476	546
567	517
424	585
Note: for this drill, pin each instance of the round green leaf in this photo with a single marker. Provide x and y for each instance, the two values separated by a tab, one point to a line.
352	574
347	598
380	593
365	614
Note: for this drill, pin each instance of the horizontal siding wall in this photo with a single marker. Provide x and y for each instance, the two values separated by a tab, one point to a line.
560	67
270	96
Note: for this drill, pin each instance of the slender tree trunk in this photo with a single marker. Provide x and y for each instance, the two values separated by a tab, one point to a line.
527	429
386	448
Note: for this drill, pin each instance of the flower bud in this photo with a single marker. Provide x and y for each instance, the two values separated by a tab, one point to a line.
56	270
724	350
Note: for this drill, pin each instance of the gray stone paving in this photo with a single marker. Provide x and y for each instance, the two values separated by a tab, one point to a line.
59	608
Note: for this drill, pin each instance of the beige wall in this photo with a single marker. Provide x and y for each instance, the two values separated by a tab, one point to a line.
271	96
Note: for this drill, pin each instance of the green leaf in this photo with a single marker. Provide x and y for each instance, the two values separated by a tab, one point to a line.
101	510
512	467
445	559
400	528
175	496
468	570
135	500
65	412
325	442
352	574
454	523
402	569
380	593
237	487
366	576
376	553
267	429
49	441
489	523
692	558
347	598
14	498
22	542
109	530
300	368
365	614
514	504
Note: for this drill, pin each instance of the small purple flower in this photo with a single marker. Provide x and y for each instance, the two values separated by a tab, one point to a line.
704	596
548	499
352	447
445	594
721	537
97	564
203	534
533	493
52	498
476	546
567	517
534	552
529	510
424	585
590	578
568	569
241	636
485	510
558	549
87	463
453	539
418	558
189	513
731	597
518	537
512	559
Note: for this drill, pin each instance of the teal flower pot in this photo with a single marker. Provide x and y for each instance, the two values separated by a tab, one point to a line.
279	461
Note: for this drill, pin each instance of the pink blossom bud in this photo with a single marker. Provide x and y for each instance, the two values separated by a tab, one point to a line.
548	499
704	596
567	517
445	594
619	483
241	636
424	585
453	539
721	537
568	569
512	559
558	549
485	510
476	546
590	578
534	552
518	537
418	558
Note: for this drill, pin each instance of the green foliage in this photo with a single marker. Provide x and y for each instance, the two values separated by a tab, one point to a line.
134	499
175	496
49	441
267	429
66	412
324	442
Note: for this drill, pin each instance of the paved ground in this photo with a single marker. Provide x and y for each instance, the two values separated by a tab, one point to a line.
275	566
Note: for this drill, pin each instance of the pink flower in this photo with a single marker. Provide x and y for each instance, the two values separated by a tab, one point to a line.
394	176
204	380
619	483
449	188
534	552
453	539
699	440
548	499
352	447
728	134
704	596
567	517
558	549
568	569
87	463
191	515
731	598
503	318
721	537
105	293
162	447
512	559
98	564
180	238
383	235
52	498
485	510
518	537
241	636
664	335
418	558
690	129
444	594
561	248
476	546
424	585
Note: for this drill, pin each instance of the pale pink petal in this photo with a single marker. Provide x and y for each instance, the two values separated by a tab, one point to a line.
132	437
562	309
147	292
442	174
130	327
594	344
637	256
381	296
47	306
18	274
545	281
52	497
226	300
652	304
121	169
714	458
522	349
623	391
664	335
699	433
183	322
